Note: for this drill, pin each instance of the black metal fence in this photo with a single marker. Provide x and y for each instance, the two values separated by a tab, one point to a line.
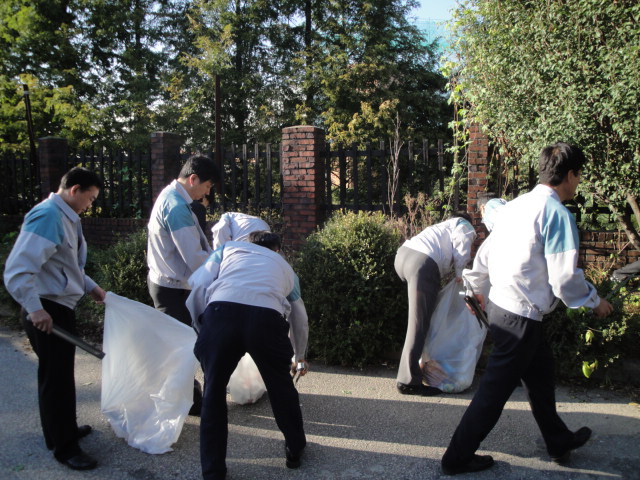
357	179
18	186
251	178
127	181
354	179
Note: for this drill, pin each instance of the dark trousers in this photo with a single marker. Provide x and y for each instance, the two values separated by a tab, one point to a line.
423	283
171	301
56	381
229	330
520	353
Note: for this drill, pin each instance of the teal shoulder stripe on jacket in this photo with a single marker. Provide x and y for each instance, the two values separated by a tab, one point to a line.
295	293
177	212
559	228
45	220
216	255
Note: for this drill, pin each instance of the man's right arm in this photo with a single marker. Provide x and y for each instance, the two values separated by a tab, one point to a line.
477	279
566	279
185	235
36	243
200	281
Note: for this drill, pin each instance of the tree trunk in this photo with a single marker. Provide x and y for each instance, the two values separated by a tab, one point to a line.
624	219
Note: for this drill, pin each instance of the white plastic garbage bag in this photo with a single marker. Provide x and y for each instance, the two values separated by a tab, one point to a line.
246	384
147	374
454	342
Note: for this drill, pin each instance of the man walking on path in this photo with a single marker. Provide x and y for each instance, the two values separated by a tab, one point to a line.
45	274
177	245
529	259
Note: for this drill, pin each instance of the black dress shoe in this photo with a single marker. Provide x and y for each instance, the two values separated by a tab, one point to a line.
81	461
84	430
423	390
292	461
580	437
476	464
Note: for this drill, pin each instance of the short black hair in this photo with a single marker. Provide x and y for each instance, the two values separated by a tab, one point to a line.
264	238
202	166
80	176
464	215
557	160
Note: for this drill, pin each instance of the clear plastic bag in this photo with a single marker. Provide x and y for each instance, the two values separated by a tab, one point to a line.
147	374
246	384
454	342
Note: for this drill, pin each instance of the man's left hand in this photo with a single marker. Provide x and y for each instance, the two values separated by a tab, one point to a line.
98	294
604	309
303	372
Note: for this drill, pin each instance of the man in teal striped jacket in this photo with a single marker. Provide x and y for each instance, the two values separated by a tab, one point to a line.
45	274
177	246
530	262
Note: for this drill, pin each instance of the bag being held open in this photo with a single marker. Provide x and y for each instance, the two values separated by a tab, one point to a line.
147	374
454	342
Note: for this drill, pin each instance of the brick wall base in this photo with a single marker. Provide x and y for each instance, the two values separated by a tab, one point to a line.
99	232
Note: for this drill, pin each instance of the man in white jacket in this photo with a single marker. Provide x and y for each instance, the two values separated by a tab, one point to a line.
245	290
237	227
530	261
45	274
421	262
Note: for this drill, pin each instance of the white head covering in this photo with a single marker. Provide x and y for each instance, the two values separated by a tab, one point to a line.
491	209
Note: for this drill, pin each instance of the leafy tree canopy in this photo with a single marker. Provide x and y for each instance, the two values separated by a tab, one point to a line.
533	73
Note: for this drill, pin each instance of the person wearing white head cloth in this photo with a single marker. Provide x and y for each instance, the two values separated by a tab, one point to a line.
421	262
490	211
236	226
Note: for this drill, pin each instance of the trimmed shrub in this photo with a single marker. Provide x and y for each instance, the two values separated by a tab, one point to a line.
122	268
355	300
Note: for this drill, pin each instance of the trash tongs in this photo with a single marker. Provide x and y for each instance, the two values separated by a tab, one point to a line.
299	370
472	301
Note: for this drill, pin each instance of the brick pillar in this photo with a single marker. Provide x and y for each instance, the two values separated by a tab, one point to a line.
478	158
52	152
165	160
303	182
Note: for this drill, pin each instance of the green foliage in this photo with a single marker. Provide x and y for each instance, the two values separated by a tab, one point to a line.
122	268
596	348
370	63
355	301
533	74
110	72
9	309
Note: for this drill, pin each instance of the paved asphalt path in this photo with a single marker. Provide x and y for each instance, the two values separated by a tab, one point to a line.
357	425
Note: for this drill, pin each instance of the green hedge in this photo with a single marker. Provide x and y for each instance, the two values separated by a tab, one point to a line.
356	303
